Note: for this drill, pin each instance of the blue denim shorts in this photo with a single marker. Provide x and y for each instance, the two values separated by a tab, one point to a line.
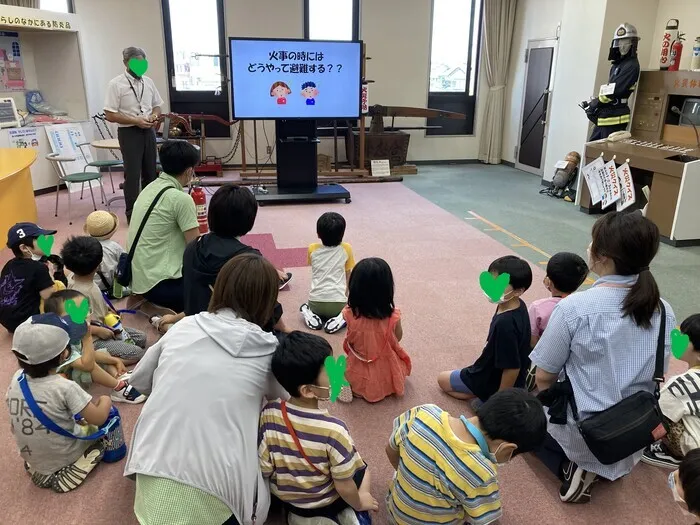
457	384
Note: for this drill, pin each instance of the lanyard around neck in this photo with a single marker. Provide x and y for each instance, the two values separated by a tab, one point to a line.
133	90
477	435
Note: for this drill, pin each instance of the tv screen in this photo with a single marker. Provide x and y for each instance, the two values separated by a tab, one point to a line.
295	79
691	112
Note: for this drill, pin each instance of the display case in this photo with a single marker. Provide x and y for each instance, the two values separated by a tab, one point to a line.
40	50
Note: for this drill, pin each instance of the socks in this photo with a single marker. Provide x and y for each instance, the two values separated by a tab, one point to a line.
120	385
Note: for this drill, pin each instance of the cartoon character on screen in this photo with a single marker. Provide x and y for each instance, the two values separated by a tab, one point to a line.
280	90
309	92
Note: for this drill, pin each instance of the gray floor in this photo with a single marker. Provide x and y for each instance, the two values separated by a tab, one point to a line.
510	199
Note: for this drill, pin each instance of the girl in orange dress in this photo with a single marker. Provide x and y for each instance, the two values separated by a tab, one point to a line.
377	365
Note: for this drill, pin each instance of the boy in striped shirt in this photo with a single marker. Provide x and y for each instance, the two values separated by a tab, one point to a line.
308	454
446	466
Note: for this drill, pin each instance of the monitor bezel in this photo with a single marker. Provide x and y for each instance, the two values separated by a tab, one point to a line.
230	65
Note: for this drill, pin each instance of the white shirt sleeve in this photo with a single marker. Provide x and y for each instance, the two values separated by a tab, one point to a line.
157	99
112	98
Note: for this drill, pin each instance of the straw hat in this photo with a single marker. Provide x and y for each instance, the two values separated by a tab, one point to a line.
101	225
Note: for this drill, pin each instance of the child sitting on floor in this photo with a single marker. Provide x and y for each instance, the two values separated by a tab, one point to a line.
685	484
25	280
446	466
41	344
678	403
335	483
102	225
85	365
331	263
504	362
232	213
377	365
565	273
83	256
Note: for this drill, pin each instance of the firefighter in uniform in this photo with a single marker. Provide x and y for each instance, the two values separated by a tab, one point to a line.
609	111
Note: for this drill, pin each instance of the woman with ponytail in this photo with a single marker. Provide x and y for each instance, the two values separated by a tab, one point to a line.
605	340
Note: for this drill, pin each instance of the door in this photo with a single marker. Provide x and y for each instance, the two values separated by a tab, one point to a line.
540	58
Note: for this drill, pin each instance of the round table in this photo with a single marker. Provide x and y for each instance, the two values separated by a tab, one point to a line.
105	144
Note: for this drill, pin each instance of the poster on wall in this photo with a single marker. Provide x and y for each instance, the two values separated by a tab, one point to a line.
24	138
64	140
11	69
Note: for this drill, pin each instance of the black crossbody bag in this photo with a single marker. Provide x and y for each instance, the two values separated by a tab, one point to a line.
630	425
123	272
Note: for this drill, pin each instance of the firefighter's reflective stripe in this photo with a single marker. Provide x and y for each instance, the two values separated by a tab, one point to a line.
605	99
614	121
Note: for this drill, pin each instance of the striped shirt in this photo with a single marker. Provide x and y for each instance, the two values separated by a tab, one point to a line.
440	479
607	358
326	442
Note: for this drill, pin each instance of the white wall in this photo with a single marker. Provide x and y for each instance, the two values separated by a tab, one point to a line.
579	48
641	14
688	14
534	19
108	26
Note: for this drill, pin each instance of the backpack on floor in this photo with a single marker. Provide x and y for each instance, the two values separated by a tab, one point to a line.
564	177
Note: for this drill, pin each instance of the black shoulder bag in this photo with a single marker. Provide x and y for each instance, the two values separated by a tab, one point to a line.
123	272
630	425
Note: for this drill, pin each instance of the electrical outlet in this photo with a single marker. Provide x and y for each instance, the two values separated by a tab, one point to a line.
269	150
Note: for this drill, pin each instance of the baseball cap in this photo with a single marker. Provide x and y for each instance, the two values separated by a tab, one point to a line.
23	230
44	336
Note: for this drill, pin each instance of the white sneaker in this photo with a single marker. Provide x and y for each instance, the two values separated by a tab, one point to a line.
348	517
128	394
335	324
293	519
312	320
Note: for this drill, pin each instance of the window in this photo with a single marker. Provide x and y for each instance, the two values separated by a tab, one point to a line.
194	47
62	6
454	60
195	32
332	19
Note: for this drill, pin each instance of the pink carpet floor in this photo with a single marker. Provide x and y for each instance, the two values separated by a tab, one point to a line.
436	259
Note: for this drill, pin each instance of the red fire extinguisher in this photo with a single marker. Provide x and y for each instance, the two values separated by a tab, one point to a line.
670	36
200	203
676	50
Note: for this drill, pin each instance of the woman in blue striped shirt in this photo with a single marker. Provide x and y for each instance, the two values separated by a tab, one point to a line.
605	338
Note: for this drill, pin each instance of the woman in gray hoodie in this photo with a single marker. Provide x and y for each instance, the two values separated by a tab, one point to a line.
194	446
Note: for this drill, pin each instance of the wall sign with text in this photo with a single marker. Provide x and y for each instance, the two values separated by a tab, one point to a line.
41	23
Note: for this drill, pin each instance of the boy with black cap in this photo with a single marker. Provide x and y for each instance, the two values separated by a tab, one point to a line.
25	279
41	344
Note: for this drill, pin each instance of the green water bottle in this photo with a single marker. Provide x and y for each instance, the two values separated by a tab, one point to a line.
117	290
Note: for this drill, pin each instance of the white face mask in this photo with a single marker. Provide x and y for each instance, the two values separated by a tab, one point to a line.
589	259
677	497
33	255
502	298
495	454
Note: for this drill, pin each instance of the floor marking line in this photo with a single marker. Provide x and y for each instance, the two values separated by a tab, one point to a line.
522	243
512	235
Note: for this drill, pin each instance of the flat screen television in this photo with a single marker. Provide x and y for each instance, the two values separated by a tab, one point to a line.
691	112
295	79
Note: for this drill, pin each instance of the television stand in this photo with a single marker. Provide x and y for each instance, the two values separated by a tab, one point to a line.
297	167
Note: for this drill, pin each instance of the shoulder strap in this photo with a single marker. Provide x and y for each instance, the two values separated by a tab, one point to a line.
294	437
49	424
660	352
104	280
143	222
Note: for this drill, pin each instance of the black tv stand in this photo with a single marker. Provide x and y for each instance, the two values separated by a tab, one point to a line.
297	167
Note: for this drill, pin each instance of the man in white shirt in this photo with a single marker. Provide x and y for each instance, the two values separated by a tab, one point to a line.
133	102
